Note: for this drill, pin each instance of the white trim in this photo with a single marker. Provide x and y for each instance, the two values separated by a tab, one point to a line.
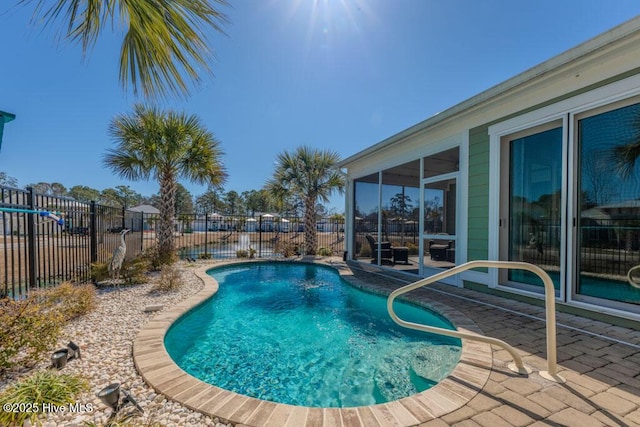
421	222
604	95
453	280
494	205
564	215
348	217
571	232
438	178
462	229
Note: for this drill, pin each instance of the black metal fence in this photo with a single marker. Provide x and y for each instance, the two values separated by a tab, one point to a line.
215	236
37	251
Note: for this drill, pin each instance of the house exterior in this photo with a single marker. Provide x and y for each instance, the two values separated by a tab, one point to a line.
148	215
529	170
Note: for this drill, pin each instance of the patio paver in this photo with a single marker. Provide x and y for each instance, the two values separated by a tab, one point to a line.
602	388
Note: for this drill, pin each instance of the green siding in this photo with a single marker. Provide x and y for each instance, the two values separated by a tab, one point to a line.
478	206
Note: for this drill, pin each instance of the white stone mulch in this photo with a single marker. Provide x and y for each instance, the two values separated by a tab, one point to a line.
105	337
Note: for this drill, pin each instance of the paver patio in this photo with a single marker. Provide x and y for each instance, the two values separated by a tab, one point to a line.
600	362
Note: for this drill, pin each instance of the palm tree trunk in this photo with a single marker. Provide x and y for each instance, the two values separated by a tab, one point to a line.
166	246
310	232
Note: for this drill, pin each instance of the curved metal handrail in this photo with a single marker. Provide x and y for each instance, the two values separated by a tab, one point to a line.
631	280
550	308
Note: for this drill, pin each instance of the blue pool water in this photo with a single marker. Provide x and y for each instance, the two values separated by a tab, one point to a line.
299	334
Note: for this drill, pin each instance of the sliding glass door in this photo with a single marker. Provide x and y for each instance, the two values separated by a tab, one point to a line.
531	209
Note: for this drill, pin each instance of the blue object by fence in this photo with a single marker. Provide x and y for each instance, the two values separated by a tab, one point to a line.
43	214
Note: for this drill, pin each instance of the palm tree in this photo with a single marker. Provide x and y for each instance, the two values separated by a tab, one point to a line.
166	145
311	175
162	39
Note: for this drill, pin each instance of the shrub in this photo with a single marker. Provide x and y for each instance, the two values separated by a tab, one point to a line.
204	255
28	331
71	301
133	271
166	258
169	279
152	258
322	251
43	387
100	272
284	248
242	253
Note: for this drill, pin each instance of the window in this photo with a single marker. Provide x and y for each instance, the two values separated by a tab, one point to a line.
608	202
530	208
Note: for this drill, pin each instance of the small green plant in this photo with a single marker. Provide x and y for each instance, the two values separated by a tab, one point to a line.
29	330
37	391
322	251
252	252
169	279
204	255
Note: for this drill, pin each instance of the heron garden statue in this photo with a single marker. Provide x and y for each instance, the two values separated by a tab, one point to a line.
118	258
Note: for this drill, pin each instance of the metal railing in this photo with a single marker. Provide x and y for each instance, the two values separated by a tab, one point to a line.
518	366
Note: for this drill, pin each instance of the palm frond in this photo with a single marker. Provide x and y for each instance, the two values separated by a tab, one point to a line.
165	46
625	158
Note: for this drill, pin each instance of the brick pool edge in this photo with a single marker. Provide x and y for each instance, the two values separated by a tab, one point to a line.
160	371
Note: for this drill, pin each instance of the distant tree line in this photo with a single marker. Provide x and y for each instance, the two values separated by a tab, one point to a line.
213	200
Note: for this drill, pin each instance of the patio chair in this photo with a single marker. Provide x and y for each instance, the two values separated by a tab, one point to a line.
438	248
386	253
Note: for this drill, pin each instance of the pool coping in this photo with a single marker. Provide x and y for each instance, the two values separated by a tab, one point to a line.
160	371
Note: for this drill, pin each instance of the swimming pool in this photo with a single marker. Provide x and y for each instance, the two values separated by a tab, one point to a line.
298	334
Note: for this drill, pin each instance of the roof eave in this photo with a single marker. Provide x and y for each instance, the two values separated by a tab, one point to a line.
582	50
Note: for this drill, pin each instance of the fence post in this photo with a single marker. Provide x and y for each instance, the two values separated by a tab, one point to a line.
206	231
31	238
93	242
141	231
260	237
124	220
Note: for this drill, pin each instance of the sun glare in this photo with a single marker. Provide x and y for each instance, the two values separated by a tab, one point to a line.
328	23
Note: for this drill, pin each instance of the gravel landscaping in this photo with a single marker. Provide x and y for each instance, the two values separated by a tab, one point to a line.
105	337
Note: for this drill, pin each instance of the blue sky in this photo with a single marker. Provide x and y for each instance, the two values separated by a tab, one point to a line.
334	74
